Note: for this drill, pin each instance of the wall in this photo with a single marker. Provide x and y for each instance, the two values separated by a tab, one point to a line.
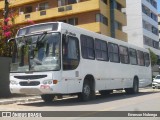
4	77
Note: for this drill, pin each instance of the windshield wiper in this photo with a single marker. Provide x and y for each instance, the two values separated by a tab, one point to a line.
40	39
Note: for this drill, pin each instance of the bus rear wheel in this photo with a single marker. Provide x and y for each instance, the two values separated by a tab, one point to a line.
47	97
135	88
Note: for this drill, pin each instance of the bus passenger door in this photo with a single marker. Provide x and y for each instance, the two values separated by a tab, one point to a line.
70	62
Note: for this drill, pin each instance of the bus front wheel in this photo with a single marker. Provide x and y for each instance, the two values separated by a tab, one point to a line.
47	97
85	95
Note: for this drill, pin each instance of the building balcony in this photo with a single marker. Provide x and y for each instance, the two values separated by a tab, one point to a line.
58	12
15	3
122	2
120	17
121	35
1	5
94	27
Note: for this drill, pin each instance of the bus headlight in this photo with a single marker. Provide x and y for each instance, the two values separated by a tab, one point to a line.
47	82
44	82
13	82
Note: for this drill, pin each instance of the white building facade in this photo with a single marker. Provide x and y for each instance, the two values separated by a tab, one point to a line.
159	25
142	24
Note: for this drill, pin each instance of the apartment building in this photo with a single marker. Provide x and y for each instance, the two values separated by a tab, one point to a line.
159	25
142	24
101	16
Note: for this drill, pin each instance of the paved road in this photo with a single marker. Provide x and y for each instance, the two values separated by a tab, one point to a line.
147	100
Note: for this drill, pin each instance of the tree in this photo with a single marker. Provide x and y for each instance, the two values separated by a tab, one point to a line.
153	57
8	30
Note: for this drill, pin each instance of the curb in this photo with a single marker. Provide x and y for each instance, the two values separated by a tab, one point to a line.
5	102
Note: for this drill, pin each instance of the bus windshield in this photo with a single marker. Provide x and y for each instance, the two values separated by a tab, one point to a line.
40	52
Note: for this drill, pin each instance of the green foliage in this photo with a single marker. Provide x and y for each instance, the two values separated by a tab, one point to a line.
154	57
6	32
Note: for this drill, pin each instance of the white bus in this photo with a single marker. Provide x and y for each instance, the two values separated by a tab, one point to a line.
56	58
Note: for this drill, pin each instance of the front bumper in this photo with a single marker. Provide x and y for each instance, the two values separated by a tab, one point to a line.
156	85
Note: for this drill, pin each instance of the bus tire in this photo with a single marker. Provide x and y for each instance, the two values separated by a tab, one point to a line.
85	95
105	92
47	97
135	88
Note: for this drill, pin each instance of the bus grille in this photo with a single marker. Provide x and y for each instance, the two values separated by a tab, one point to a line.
31	83
30	77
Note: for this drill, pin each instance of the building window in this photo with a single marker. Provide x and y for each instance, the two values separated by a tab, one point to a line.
155	30
118	25
133	56
28	9
113	52
101	18
154	17
150	42
87	47
61	3
149	27
72	1
149	13
43	6
156	44
118	6
153	3
140	57
66	2
105	1
124	57
101	51
146	25
73	21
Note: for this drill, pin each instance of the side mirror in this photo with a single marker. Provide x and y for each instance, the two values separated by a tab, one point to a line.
64	38
11	39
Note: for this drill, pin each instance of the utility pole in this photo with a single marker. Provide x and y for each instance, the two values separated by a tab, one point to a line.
6	11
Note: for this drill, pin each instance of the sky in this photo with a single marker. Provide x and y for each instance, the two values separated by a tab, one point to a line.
158	4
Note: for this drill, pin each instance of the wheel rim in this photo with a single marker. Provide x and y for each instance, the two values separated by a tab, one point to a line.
87	90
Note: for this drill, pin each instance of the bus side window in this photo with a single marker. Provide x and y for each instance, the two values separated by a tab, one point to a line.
71	56
147	59
140	57
87	47
124	57
133	56
113	52
101	51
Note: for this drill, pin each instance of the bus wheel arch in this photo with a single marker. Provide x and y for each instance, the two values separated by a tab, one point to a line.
88	89
135	86
47	97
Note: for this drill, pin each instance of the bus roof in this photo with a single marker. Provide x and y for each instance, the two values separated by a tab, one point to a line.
65	26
